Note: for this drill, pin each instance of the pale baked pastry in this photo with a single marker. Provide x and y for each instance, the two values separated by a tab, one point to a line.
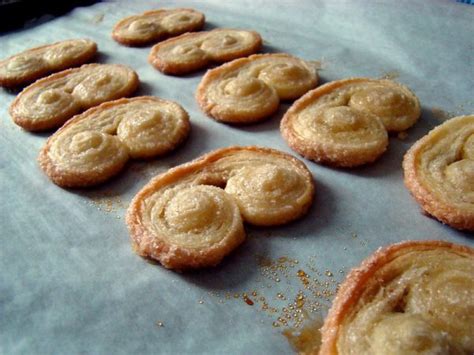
414	297
156	25
249	89
35	63
95	145
344	123
193	51
439	172
51	101
192	215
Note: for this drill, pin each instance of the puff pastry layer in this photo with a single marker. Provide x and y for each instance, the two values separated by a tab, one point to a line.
37	62
439	172
51	101
192	215
414	297
249	89
92	147
156	25
344	123
193	51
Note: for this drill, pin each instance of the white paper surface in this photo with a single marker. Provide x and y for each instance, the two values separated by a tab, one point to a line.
69	281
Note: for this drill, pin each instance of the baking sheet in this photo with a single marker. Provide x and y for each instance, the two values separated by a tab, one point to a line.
69	281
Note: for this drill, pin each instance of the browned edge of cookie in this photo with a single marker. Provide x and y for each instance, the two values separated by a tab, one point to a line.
354	285
180	69
46	125
84	180
73	62
437	208
138	232
159	37
308	151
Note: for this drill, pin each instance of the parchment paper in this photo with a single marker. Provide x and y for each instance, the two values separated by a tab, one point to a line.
69	281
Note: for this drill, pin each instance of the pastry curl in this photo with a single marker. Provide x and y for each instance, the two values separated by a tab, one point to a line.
413	297
51	101
35	63
439	172
94	146
192	215
193	51
344	123
249	89
156	25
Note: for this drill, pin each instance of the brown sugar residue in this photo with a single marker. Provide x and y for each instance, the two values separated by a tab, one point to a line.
292	295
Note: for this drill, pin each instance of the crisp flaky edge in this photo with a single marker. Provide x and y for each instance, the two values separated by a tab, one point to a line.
354	285
436	207
82	58
317	152
172	68
73	180
159	37
55	122
211	75
183	258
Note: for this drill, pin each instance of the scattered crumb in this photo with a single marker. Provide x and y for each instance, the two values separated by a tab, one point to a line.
390	75
306	340
402	135
317	64
98	18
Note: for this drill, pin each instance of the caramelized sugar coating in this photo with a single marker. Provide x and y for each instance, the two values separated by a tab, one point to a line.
156	25
439	172
192	215
51	101
34	63
249	89
413	297
344	123
193	51
92	147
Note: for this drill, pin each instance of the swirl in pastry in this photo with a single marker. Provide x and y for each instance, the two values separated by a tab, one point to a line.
249	89
49	102
344	123
94	146
409	298
193	51
156	25
439	172
192	215
36	62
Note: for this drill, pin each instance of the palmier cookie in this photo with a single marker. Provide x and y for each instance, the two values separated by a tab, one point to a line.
414	297
156	25
249	89
192	215
95	145
51	101
344	123
36	62
439	172
193	51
